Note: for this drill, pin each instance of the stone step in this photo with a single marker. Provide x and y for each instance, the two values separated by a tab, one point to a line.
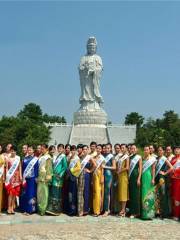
87	134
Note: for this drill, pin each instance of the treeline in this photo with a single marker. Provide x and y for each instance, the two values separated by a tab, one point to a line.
28	126
159	132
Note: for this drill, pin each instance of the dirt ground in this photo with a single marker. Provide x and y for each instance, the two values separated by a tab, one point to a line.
20	227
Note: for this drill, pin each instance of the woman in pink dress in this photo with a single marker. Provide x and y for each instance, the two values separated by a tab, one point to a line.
13	179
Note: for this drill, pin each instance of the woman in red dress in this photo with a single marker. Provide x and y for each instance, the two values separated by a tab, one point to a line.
175	184
13	179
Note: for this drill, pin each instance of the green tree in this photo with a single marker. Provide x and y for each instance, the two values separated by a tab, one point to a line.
31	112
26	128
53	119
134	119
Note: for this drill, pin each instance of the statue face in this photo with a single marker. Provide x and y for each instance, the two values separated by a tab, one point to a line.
91	49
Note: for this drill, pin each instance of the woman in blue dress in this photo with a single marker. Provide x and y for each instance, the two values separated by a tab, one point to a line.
109	167
28	198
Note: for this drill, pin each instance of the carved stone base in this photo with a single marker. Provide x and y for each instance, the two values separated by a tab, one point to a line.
98	117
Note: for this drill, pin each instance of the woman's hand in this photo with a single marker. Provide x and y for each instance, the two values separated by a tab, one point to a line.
138	182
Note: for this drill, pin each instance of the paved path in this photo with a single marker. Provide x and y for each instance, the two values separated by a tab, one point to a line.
35	227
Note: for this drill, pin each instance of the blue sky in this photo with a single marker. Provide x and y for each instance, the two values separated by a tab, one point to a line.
41	44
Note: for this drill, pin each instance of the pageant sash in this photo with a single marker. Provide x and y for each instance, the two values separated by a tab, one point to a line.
84	162
118	156
148	163
43	159
58	160
170	157
1	170
73	162
29	167
108	158
159	165
12	170
99	162
133	163
122	159
176	165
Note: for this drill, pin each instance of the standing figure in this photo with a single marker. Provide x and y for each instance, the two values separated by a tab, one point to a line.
122	171
163	169
147	186
90	70
2	176
28	198
135	172
44	179
115	208
109	166
13	179
84	181
72	174
55	189
98	182
175	184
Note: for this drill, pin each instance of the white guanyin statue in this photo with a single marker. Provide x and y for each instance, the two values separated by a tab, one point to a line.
90	70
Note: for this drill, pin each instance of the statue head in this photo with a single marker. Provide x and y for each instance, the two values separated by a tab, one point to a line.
91	46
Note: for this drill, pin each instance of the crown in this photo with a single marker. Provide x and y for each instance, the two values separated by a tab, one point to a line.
92	41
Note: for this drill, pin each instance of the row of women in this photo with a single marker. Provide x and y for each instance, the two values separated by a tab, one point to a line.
82	180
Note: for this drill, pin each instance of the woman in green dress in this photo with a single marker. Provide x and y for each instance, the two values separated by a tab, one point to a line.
55	189
44	178
163	169
147	186
135	173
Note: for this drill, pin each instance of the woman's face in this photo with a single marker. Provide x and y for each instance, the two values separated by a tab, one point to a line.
160	152
85	150
123	149
133	149
13	153
117	149
67	150
79	150
177	151
108	149
99	149
30	151
146	151
73	152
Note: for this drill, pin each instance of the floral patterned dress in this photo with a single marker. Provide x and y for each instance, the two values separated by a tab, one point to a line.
147	195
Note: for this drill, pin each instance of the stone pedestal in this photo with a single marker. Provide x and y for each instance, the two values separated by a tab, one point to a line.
97	117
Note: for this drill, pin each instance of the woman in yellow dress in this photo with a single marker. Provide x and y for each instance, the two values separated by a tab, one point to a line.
2	162
98	182
122	170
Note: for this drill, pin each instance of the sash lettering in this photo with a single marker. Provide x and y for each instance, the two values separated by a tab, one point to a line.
148	163
122	159
12	170
99	162
73	162
116	157
58	160
43	159
133	163
108	158
84	162
29	167
159	165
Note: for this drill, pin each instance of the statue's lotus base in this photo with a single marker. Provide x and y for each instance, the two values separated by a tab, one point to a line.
98	117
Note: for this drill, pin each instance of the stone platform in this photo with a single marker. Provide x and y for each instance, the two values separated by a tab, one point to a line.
86	133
